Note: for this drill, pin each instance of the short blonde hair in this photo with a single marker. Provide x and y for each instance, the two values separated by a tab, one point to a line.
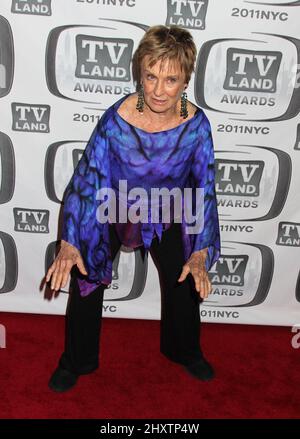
165	43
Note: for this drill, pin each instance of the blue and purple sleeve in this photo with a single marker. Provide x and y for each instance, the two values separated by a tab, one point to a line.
80	225
203	176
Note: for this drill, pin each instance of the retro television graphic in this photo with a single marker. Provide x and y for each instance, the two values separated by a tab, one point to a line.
242	276
249	79
92	63
252	182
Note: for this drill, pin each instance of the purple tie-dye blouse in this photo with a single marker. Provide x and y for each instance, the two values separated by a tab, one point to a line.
179	157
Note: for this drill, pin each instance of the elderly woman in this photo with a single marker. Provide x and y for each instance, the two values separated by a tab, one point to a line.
155	138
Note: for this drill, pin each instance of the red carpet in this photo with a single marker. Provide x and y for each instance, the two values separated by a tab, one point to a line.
257	369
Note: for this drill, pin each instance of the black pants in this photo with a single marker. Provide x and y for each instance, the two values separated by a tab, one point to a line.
180	314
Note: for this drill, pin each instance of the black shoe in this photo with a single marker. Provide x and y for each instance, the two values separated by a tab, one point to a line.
62	380
201	369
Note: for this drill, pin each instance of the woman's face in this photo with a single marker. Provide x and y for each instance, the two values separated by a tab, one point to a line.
163	84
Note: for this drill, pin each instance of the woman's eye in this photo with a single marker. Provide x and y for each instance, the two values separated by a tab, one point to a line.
172	80
150	77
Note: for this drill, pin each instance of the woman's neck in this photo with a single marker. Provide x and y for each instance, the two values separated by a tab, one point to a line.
159	118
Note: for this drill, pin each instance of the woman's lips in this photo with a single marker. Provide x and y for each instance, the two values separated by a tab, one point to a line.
159	101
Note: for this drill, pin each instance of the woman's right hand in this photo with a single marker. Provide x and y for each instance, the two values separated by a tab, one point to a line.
62	265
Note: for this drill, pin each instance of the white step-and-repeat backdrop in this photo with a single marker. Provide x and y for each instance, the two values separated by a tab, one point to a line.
63	62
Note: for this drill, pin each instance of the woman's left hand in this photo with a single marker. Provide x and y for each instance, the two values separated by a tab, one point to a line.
196	266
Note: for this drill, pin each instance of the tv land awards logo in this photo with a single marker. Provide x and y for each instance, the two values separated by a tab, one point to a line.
92	63
251	79
242	276
34	7
234	177
190	14
8	263
7	169
252	182
288	234
32	118
6	57
252	71
31	220
100	58
231	269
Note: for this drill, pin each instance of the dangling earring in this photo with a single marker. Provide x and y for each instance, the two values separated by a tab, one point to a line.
183	109
140	101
